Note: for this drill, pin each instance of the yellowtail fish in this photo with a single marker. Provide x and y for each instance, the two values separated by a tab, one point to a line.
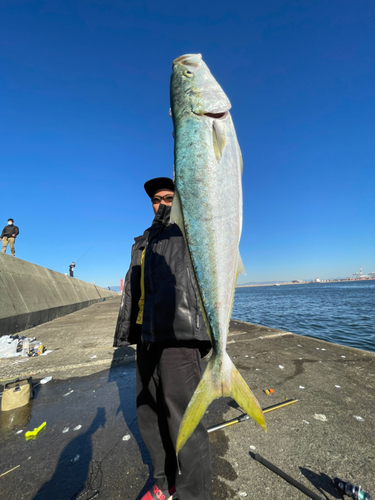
207	206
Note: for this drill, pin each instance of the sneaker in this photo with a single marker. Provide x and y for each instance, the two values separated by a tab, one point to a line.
156	494
172	491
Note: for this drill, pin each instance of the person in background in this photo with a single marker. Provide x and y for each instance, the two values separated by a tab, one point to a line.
71	267
160	312
9	235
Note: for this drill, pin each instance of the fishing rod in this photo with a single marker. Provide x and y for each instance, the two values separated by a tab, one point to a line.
287	478
245	416
97	291
345	488
355	492
84	254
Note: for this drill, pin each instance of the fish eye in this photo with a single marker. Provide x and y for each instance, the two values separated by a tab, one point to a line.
188	73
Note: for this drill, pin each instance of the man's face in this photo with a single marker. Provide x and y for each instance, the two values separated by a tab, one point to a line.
157	199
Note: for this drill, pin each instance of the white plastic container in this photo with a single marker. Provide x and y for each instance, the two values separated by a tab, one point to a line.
25	348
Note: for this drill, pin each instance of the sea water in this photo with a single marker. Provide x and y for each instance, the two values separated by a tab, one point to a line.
343	312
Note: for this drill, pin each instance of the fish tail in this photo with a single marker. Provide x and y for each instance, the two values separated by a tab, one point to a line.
218	381
242	394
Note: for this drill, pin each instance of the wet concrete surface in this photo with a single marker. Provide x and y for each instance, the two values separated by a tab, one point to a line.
62	457
329	432
106	454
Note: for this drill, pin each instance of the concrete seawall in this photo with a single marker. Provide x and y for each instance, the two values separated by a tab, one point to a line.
31	295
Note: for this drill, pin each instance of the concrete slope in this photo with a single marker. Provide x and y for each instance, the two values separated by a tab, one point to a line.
31	294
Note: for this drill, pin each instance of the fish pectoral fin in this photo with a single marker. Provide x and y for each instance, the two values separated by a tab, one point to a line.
218	139
240	266
176	213
217	381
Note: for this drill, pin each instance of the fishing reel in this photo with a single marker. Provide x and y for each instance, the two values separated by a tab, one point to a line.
346	488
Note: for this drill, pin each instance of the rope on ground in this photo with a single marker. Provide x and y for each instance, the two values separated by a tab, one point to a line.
95	477
94	481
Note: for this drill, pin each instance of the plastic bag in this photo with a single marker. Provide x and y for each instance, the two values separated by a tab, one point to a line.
8	347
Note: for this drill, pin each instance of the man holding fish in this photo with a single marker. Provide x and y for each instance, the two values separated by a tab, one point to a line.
160	313
180	286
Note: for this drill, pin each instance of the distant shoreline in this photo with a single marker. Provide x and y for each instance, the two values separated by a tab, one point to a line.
303	283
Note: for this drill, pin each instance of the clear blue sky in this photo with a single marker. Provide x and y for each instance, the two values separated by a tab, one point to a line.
84	123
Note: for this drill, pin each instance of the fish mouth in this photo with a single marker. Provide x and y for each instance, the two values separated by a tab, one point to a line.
216	116
193	60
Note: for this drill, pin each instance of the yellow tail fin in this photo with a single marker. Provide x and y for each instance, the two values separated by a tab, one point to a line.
220	379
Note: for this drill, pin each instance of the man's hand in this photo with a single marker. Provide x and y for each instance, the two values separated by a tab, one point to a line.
13	235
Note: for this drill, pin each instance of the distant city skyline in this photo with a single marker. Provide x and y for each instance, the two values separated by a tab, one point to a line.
310	280
354	276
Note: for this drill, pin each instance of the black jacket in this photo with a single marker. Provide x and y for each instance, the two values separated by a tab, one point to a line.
171	309
9	230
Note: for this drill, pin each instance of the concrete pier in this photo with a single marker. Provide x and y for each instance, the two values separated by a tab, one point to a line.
330	432
31	294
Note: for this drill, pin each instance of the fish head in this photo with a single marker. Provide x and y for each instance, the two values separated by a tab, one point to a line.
194	89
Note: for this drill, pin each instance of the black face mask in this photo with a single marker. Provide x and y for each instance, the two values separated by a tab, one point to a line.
163	213
163	207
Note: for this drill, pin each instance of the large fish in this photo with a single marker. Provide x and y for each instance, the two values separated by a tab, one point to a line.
208	208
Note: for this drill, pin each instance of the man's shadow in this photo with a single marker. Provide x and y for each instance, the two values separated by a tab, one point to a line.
126	386
72	468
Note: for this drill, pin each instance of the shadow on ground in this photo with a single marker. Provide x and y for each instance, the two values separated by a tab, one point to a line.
78	474
322	482
70	474
128	409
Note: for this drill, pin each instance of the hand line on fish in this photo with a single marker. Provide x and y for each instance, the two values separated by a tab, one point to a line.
207	207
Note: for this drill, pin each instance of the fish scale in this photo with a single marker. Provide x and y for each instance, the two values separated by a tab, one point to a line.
207	206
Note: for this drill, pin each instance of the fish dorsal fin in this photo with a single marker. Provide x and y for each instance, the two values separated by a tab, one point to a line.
240	266
218	139
176	213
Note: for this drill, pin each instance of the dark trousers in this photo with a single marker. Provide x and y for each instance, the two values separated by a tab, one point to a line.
166	379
